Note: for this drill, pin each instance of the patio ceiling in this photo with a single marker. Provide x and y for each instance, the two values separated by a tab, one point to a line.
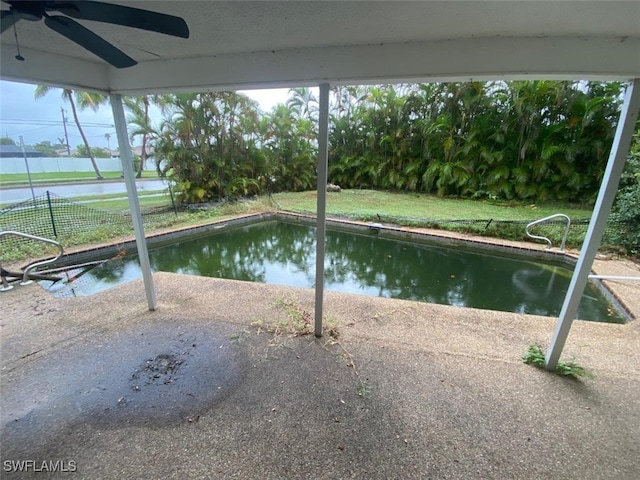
237	44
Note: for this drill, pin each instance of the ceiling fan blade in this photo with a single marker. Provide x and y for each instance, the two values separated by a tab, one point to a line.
89	40
127	16
7	20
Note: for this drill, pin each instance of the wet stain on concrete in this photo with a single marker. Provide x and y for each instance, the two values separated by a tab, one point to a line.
154	375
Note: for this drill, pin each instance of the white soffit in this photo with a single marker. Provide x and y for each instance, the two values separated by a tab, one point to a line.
239	44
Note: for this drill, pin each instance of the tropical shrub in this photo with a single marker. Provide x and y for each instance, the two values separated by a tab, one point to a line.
626	210
531	141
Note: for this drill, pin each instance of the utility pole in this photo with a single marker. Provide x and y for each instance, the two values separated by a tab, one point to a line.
26	163
64	123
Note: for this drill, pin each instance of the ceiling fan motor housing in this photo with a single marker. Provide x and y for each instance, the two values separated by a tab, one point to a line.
32	11
35	10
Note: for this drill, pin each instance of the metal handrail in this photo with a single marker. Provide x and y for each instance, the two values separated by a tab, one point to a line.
25	276
614	277
542	220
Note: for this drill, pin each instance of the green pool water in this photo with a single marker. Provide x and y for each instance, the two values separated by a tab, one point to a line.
284	254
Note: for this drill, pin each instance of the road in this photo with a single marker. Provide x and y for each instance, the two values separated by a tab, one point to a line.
9	195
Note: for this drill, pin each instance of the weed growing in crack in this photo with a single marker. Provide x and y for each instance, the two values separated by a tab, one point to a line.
364	389
535	356
299	322
239	337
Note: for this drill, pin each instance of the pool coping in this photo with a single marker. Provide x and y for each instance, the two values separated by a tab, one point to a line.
624	298
155	240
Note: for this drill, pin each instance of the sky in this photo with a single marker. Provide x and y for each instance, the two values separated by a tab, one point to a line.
41	120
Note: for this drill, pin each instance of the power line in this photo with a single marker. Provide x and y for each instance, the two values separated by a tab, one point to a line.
24	130
4	121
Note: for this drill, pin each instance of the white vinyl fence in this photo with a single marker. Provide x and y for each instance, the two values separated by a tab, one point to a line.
58	164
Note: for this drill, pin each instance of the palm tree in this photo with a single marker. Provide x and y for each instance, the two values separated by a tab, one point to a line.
108	137
84	100
303	103
139	124
291	147
207	144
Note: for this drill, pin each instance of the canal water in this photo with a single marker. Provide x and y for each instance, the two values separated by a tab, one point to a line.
284	254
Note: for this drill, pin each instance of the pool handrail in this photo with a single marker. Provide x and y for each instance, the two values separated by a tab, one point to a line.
32	266
545	219
614	277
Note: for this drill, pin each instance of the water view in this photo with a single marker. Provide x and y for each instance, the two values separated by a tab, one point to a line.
284	254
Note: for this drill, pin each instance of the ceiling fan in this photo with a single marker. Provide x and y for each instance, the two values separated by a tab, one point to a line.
96	11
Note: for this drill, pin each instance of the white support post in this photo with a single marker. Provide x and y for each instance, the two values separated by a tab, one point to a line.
134	205
598	223
323	165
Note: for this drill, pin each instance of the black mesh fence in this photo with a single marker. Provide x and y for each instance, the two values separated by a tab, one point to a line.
68	222
72	223
554	229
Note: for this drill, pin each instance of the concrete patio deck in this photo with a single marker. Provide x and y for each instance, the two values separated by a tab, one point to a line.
408	390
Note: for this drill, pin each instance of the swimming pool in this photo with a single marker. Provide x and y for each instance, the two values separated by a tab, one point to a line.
283	253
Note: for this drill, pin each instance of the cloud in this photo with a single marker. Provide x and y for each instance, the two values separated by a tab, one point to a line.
268	98
41	120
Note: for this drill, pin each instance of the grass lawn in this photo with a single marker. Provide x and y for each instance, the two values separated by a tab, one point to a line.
20	179
403	209
147	201
367	204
